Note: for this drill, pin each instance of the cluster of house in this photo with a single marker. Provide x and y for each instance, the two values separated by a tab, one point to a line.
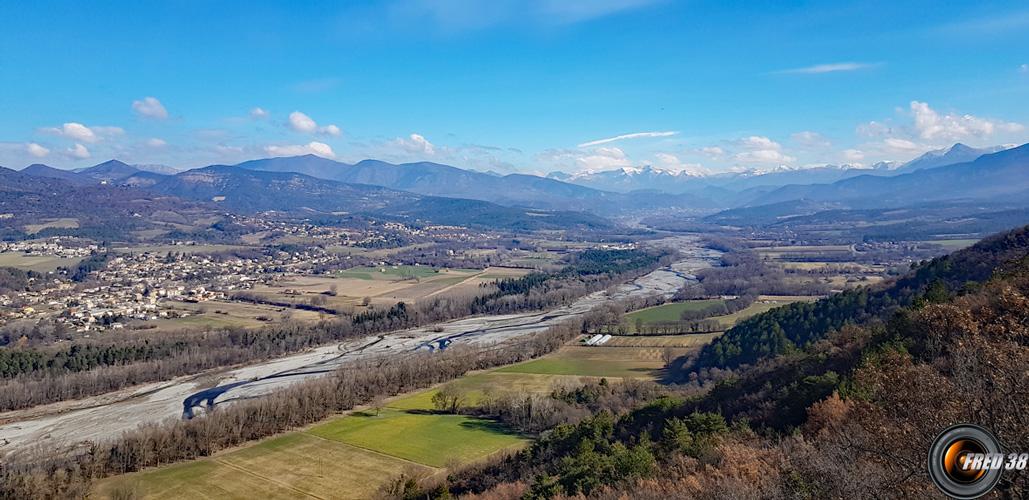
48	247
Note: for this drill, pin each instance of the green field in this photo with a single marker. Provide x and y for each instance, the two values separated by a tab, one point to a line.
344	457
290	466
496	382
728	320
669	312
614	362
435	440
38	263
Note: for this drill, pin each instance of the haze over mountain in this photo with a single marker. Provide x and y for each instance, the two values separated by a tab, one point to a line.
250	191
41	170
958	153
310	182
436	179
991	177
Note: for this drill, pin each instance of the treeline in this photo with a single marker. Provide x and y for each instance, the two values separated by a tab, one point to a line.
55	373
720	308
742	272
605	448
298	405
800	324
94	262
254	298
13	279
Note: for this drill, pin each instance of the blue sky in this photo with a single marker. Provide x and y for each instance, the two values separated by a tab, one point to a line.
530	86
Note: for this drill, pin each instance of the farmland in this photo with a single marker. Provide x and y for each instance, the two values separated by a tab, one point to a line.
669	312
352	456
345	457
38	263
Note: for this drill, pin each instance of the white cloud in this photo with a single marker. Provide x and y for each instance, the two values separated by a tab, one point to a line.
764	156
827	68
302	123
761	149
258	113
811	139
874	129
73	130
416	144
712	151
760	142
931	125
853	155
593	160
81	133
155	142
313	147
36	150
668	161
635	135
150	107
901	145
78	151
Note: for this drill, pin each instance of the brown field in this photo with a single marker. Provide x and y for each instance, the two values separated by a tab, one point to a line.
661	341
186	249
219	313
63	223
38	263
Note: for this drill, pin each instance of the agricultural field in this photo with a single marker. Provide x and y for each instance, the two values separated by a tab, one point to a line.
179	249
220	313
38	263
601	361
688	341
669	312
953	245
763	303
346	457
62	223
413	434
352	456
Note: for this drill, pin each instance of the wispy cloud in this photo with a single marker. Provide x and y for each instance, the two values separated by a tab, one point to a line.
635	135
988	26
819	69
456	16
572	12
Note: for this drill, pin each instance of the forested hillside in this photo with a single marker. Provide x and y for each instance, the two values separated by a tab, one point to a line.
798	325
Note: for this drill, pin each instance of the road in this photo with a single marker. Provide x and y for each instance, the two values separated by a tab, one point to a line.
70	424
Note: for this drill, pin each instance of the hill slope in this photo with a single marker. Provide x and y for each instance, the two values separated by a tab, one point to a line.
248	190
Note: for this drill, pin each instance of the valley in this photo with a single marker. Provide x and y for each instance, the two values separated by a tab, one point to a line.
160	401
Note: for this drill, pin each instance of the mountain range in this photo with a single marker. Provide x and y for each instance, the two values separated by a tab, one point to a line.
311	183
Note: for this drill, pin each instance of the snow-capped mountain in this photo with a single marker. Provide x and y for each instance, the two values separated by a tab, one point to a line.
628	179
958	153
